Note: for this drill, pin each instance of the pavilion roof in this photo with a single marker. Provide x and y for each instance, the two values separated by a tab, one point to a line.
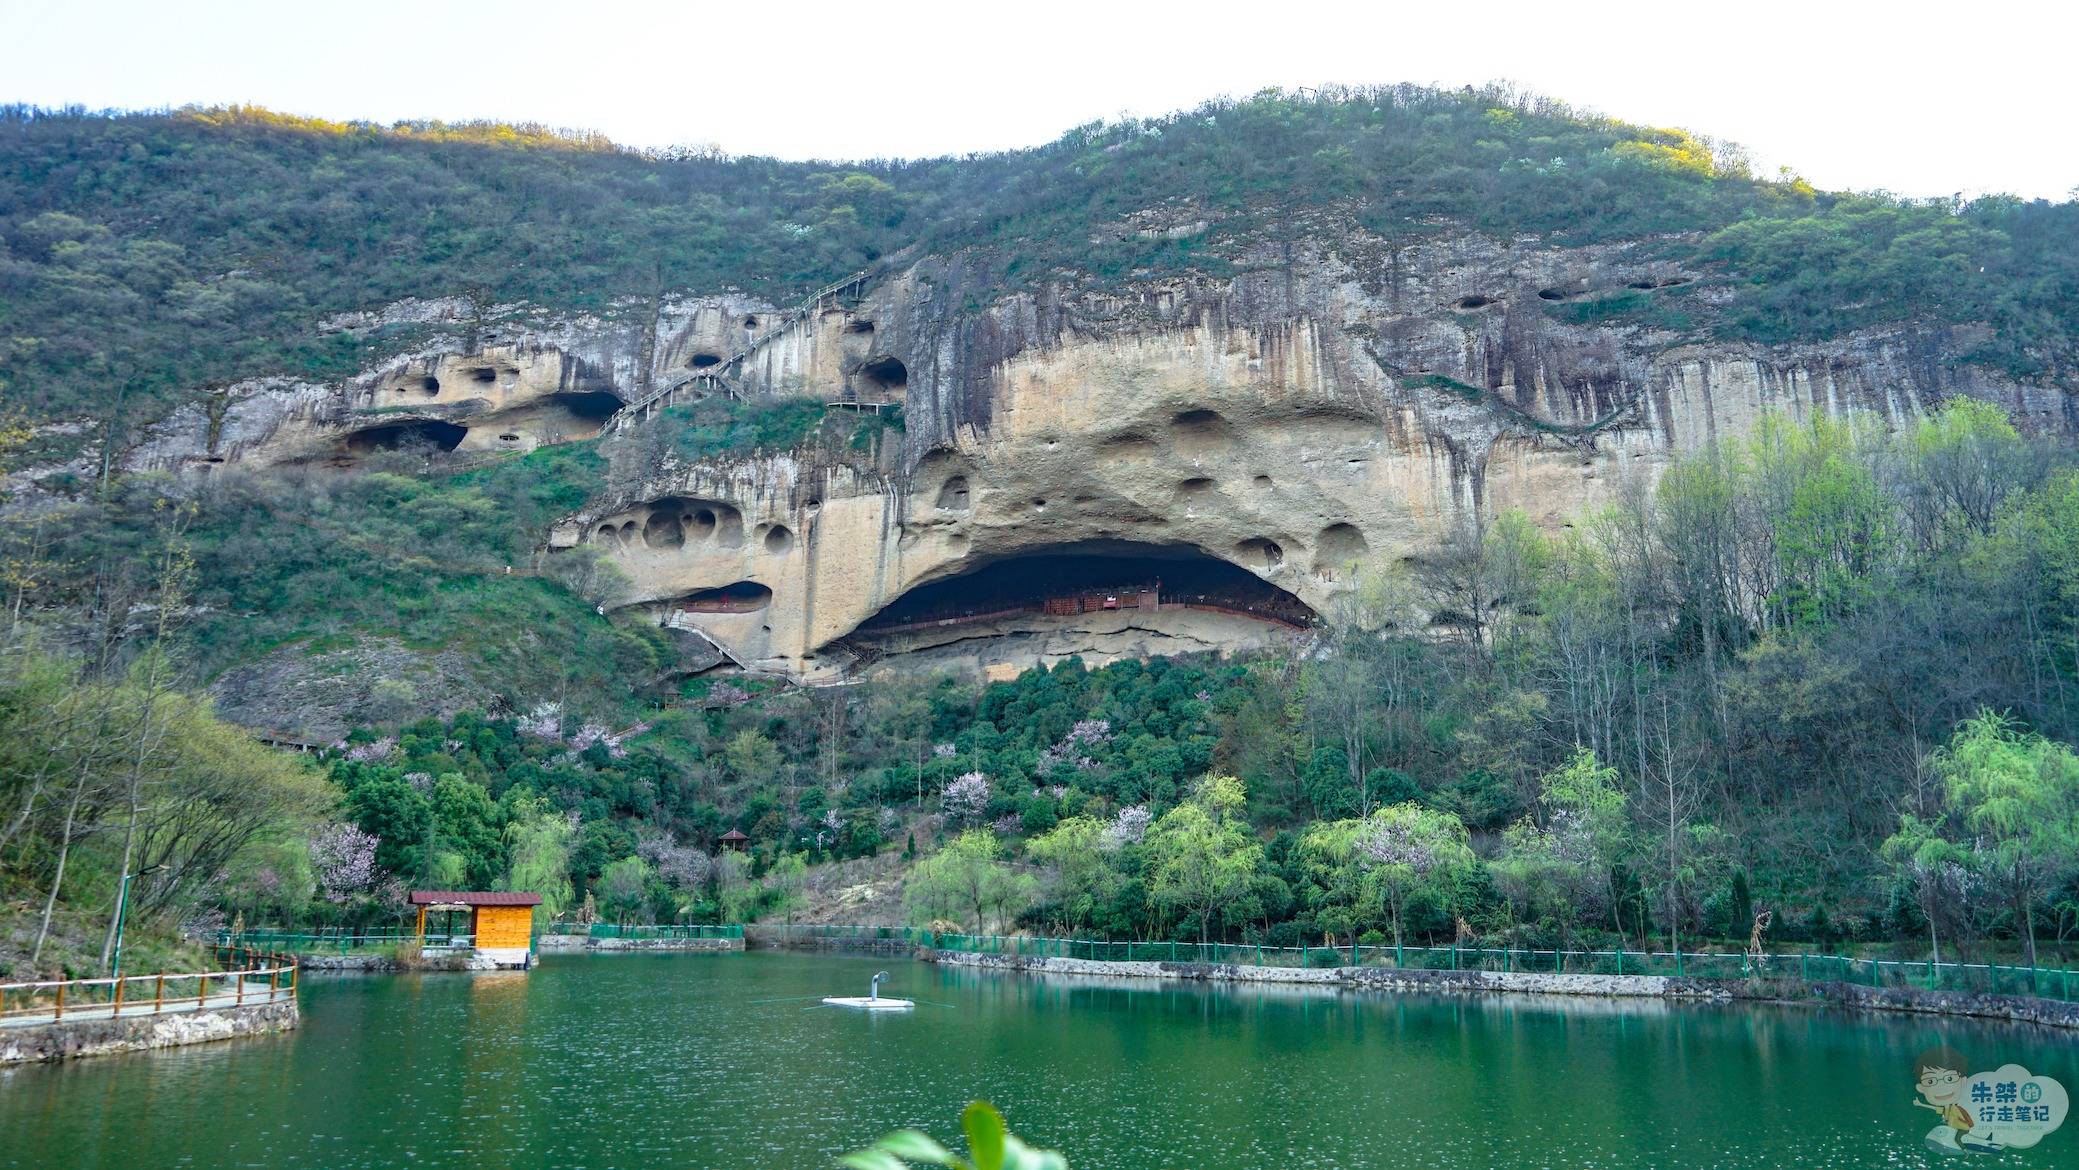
474	898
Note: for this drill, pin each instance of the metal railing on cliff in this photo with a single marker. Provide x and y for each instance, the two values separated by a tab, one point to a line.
718	375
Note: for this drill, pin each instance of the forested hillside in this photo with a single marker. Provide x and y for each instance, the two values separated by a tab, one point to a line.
147	256
1830	668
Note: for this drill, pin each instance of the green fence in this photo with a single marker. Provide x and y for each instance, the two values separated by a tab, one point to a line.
864	935
318	941
1981	978
614	930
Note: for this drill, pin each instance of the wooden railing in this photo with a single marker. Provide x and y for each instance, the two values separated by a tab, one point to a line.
240	984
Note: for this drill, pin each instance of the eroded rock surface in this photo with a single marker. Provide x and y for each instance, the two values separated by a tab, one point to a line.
1320	403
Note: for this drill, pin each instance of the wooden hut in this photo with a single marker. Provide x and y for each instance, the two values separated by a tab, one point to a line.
735	842
500	925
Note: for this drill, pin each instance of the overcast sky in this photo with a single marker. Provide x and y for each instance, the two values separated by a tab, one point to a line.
1895	95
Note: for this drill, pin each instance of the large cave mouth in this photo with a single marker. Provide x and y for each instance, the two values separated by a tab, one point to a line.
1090	576
397	436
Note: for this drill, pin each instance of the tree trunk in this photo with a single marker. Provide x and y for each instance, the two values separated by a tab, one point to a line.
50	904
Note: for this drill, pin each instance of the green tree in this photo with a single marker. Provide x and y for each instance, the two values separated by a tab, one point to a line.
1563	860
2017	794
539	842
624	888
966	880
1939	871
1403	852
1085	880
1202	853
786	884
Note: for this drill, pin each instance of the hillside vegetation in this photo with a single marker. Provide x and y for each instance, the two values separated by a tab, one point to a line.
1825	669
146	256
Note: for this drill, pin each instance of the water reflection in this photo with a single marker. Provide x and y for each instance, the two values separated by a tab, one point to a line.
730	1061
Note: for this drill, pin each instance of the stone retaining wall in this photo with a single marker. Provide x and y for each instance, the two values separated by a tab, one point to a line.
348	963
2019	1009
67	1039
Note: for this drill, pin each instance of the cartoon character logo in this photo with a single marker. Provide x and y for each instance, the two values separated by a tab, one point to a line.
1984	1113
1941	1087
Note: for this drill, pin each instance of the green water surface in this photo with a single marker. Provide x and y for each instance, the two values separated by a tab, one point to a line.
727	1061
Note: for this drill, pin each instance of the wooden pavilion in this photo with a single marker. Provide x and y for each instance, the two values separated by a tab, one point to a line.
499	927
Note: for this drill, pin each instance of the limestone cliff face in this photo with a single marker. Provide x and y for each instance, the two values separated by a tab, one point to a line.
1313	406
1316	409
497	380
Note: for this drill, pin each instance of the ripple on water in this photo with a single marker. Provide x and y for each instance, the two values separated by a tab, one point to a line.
727	1061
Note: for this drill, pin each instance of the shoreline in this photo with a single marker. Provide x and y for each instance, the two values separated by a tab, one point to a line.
2009	1008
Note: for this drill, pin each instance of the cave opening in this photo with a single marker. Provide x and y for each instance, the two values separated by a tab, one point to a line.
595	406
397	436
430	384
702	361
884	375
484	374
1474	302
736	597
1092	576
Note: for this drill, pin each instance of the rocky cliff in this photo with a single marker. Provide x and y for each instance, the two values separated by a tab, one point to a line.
1113	467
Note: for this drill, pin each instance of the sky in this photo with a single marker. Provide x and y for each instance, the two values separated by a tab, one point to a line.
1901	96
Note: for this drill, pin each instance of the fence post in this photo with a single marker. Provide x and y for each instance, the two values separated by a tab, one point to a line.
159	994
202	994
59	1012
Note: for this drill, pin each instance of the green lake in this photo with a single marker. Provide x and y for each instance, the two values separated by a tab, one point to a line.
707	1061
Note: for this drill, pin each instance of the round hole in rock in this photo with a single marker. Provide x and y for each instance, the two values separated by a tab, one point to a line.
1554	294
1196	486
701	361
1642	284
953	497
1199	434
779	538
1337	546
703	521
484	374
736	597
1473	302
1260	551
884	375
606	532
430	384
628	530
859	327
750	322
1039	505
663	529
1262	481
